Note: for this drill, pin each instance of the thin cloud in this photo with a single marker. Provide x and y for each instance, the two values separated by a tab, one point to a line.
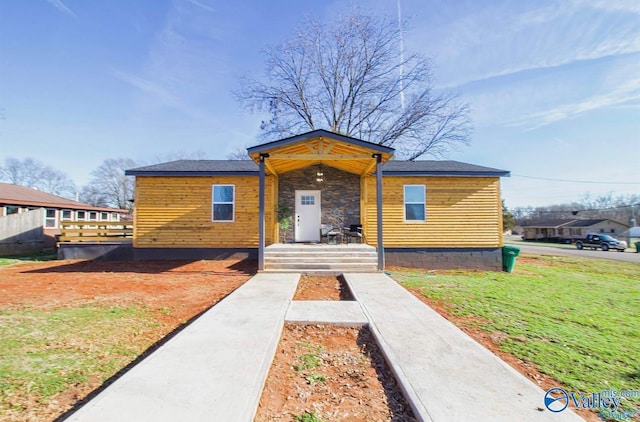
164	96
624	95
202	5
58	4
528	37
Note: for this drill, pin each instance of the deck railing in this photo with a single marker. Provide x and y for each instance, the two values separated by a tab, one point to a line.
96	231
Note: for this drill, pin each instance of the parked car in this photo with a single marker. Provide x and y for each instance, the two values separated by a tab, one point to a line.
602	241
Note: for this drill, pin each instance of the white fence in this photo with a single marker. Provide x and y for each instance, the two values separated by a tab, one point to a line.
22	233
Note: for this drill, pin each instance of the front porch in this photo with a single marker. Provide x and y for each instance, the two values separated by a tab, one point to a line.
319	178
320	259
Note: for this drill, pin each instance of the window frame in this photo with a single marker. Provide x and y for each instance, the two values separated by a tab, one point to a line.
423	203
53	220
214	203
63	218
15	209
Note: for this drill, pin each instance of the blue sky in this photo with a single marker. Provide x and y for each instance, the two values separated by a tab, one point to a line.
554	85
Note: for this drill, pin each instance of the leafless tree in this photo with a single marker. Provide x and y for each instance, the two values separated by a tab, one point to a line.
239	153
178	155
35	174
109	186
621	208
349	77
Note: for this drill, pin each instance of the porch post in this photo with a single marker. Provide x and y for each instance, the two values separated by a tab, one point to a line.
378	158
261	213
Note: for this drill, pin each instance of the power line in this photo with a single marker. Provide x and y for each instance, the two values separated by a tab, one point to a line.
576	211
576	181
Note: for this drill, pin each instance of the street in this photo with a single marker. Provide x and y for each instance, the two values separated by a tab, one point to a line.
585	253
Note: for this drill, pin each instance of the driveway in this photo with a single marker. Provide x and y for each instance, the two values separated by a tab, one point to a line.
585	253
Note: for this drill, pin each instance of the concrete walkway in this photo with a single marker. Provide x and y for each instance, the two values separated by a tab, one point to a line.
339	312
214	370
445	374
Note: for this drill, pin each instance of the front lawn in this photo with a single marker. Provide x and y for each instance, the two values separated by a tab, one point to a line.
576	319
68	326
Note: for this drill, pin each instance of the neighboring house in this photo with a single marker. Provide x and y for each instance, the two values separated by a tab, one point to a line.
570	229
633	234
420	213
16	199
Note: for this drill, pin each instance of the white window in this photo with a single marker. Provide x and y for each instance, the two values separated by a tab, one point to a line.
93	216
115	216
104	216
81	215
50	218
12	209
414	203
222	208
307	200
65	215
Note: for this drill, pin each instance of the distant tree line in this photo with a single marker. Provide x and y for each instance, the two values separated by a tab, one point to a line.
109	187
620	208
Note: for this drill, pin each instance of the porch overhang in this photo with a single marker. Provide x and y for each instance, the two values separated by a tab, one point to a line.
320	147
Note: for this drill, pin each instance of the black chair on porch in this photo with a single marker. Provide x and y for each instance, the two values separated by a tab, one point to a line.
354	231
327	231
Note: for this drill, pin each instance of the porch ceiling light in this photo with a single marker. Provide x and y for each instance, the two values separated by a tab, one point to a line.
319	174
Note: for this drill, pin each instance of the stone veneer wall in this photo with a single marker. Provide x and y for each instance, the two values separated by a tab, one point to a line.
445	258
340	194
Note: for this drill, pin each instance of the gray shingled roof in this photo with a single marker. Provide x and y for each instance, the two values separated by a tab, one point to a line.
439	167
548	223
565	223
316	133
244	167
586	223
196	167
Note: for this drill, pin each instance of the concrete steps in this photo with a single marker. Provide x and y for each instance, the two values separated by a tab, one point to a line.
320	259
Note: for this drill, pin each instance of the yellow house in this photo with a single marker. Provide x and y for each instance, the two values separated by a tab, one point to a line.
433	214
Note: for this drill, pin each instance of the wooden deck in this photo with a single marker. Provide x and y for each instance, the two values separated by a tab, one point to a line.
96	231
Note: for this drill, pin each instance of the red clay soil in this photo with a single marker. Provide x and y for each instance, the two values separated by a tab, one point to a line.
185	288
174	291
348	379
322	288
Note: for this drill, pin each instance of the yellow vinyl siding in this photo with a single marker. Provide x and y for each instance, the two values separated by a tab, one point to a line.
461	212
176	212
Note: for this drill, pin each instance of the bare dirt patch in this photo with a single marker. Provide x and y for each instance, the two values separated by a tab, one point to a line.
172	291
322	288
334	373
179	288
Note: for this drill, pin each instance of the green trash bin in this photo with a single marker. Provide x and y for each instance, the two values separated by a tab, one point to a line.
509	254
637	247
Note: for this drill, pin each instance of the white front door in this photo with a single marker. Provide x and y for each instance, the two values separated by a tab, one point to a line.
307	221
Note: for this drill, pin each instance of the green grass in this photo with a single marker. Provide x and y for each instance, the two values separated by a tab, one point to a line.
314	378
577	319
45	352
518	241
36	257
307	417
309	360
